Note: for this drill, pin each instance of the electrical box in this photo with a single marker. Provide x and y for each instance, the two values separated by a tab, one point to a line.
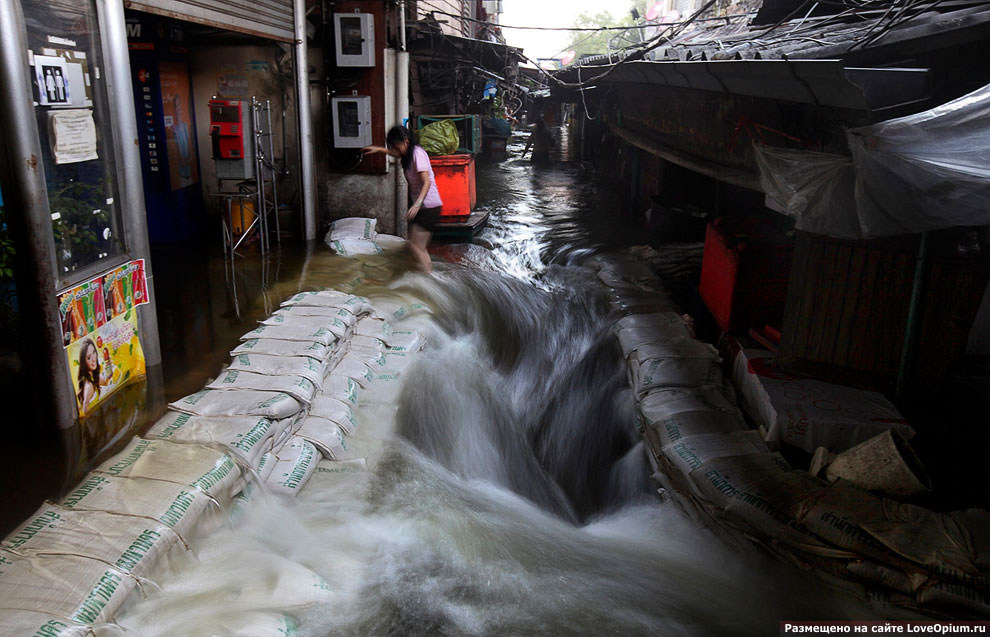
354	39
232	136
351	121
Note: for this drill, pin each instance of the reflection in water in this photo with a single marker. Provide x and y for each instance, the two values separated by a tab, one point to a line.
506	492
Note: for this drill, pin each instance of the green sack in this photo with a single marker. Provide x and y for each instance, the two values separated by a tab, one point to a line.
439	138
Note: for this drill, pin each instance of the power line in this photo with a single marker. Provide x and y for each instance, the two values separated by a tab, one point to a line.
625	28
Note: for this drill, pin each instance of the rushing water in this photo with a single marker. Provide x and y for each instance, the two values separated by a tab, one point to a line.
507	492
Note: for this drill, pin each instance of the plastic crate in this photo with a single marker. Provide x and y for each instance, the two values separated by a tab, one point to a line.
455	178
468	128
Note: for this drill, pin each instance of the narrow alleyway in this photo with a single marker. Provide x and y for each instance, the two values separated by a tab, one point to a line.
506	490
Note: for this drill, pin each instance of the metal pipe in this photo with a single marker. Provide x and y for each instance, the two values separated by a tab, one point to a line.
27	209
402	25
401	114
909	347
123	122
304	108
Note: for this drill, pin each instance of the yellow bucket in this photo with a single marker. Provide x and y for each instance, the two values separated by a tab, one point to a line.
241	215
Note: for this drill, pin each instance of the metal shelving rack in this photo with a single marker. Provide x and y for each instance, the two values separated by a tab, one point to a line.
262	190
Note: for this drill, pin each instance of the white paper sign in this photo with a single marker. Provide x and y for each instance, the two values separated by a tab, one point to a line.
73	135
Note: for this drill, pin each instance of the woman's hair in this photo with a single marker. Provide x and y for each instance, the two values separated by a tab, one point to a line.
84	373
398	134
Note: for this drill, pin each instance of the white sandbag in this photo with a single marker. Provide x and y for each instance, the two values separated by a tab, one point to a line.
760	494
309	333
390	241
247	402
680	347
273	347
325	435
266	464
269	365
281	584
247	437
314	323
687	454
374	327
356	305
354	368
333	478
338	387
674	372
354	247
836	515
396	362
396	311
633	338
367	343
660	404
41	624
295	463
130	544
723	479
352	228
404	341
656	319
75	589
178	506
302	389
335	411
695	423
203	468
374	360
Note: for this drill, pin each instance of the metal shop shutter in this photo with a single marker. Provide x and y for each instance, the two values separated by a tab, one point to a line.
265	18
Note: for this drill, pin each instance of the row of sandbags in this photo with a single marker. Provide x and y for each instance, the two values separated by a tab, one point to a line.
353	236
903	558
285	402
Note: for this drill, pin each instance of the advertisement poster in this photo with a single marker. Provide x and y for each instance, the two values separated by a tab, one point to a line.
100	332
178	109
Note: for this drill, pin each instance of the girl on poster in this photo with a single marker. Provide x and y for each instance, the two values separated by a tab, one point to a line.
89	376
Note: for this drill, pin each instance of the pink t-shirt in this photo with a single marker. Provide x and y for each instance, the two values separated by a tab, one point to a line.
421	163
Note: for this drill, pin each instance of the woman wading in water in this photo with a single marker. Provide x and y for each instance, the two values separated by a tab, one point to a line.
424	199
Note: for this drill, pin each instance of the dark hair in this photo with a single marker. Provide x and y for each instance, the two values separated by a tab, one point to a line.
85	374
398	134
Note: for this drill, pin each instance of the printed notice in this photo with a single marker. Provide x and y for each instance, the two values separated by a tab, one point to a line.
73	134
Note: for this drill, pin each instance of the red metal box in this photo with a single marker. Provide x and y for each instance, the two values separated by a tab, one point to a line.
455	177
745	272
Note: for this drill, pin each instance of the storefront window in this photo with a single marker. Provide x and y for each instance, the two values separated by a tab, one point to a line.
74	127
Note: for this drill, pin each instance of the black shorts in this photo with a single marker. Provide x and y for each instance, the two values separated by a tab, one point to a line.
428	218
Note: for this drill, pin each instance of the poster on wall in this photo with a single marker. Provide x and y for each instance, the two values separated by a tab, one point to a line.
178	109
100	330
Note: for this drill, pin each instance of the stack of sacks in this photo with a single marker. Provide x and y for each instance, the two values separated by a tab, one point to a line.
703	450
72	565
356	236
284	403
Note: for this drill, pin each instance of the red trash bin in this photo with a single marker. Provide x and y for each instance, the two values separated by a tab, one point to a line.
455	178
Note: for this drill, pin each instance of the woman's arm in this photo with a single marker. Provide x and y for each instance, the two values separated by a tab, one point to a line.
371	150
424	176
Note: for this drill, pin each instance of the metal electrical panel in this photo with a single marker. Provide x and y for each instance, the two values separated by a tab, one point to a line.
354	39
351	121
232	135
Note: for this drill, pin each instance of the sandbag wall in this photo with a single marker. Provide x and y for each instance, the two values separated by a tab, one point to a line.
904	559
285	402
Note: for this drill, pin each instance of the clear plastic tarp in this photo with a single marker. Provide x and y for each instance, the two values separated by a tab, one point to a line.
908	175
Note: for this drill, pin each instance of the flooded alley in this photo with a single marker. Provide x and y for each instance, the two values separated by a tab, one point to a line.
506	489
493	318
